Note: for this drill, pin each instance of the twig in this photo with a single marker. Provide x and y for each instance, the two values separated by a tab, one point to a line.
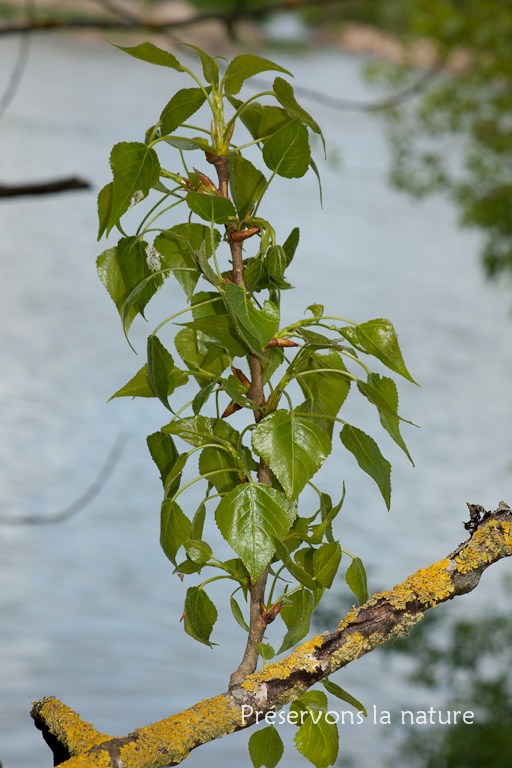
94	489
43	188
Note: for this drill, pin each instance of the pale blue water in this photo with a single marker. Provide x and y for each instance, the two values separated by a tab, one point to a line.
89	608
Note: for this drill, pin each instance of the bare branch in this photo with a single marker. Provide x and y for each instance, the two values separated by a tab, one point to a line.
385	616
92	491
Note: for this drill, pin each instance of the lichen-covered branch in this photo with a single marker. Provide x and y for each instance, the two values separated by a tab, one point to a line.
385	616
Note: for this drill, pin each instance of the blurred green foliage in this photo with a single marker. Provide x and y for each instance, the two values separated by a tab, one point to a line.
472	662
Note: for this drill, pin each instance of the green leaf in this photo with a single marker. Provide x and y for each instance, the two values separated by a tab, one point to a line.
163	452
160	370
369	458
318	742
174	529
287	151
378	338
196	531
187	145
200	615
202	430
293	447
297	571
261	121
202	397
210	66
266	747
183	105
312	702
276	262
290	245
198	354
315	170
326	561
244	66
105	199
112	278
136	170
246	182
325	391
257	326
249	518
387	388
265	651
198	551
357	581
153	55
296	613
286	97
376	397
178	246
237	613
335	690
222	330
210	207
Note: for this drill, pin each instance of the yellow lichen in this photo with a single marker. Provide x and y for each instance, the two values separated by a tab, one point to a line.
68	727
428	585
491	541
302	658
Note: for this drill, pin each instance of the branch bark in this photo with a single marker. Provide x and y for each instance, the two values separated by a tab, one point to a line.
385	616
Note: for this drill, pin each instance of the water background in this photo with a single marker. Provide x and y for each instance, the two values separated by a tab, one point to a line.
89	608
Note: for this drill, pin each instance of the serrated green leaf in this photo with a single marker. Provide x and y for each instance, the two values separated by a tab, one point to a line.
237	613
276	262
286	97
183	105
112	278
249	518
153	55
198	354
296	614
246	182
376	397
257	326
105	199
198	551
164	453
222	330
136	170
315	170
179	245
196	531
187	145
160	369
325	390
266	747
326	561
200	615
291	243
202	397
244	66
174	528
293	447
210	66
387	388
357	581
318	742
369	458
210	207
312	702
261	121
340	693
378	338
265	650
137	386
287	151
296	570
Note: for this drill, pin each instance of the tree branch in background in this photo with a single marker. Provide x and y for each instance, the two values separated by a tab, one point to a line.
76	506
43	188
385	616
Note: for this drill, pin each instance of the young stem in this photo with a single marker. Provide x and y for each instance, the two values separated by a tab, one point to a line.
255	393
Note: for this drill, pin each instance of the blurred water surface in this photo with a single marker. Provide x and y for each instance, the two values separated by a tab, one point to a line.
89	608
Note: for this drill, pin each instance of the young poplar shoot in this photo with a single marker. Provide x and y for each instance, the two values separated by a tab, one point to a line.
230	263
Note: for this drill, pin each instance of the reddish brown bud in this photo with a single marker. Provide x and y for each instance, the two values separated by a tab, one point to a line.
237	237
208	183
232	407
242	378
269	616
281	343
